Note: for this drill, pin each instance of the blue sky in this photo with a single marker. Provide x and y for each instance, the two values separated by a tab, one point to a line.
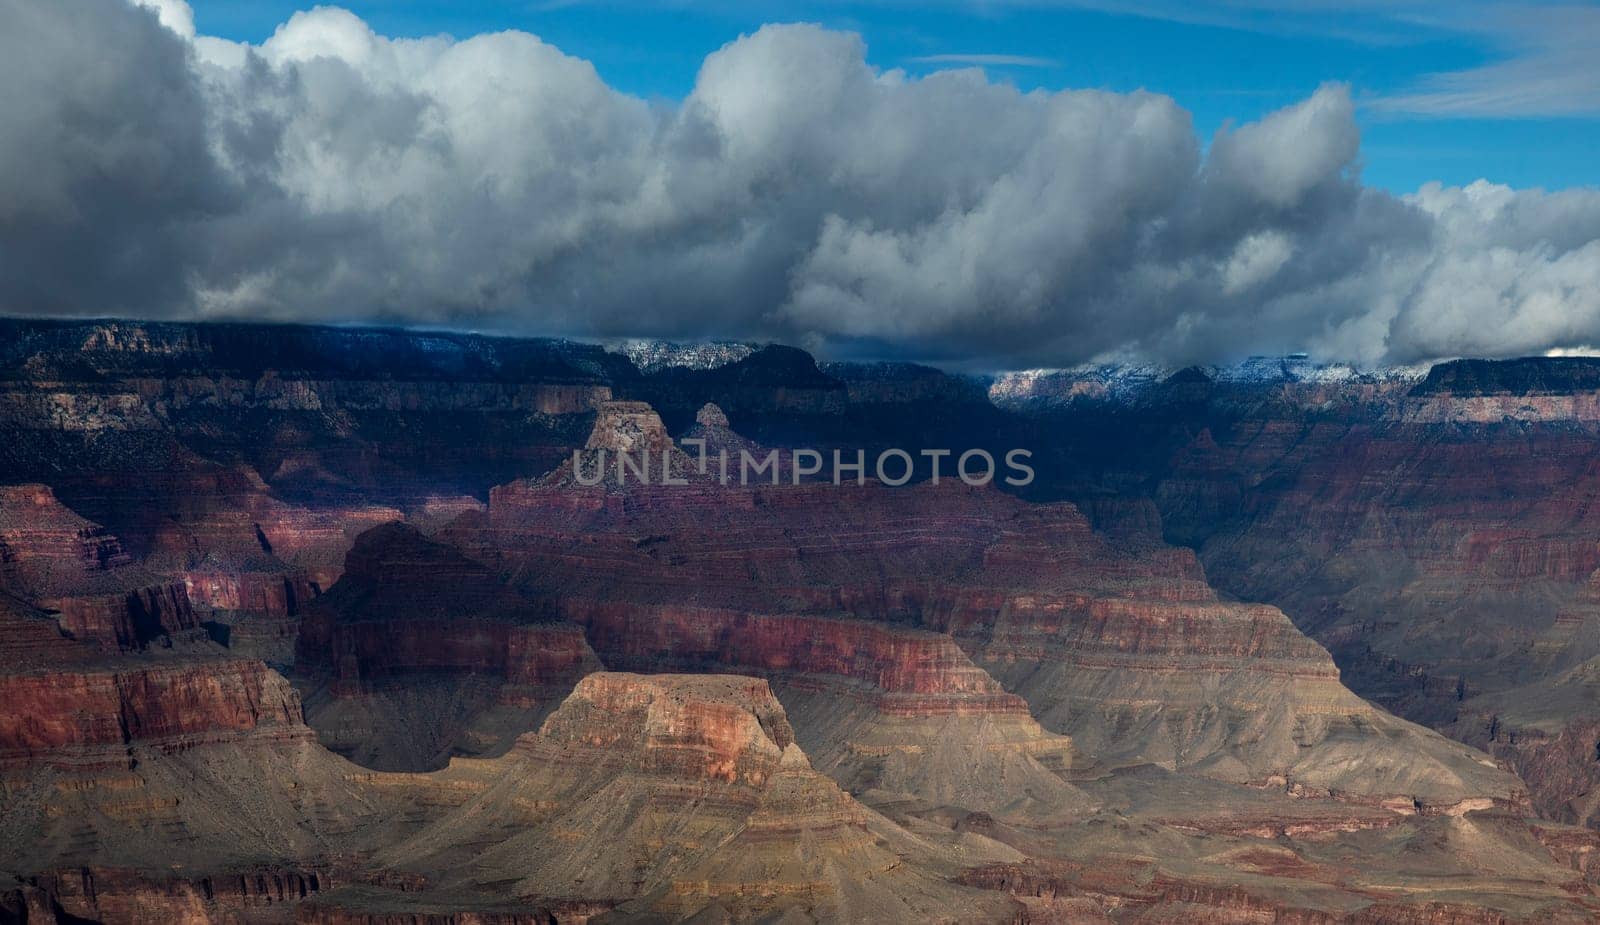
1221	62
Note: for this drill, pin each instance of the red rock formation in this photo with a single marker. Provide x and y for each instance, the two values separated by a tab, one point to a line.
901	670
1439	537
411	615
65	563
887	707
217	542
1442	547
30	638
723	728
673	795
43	543
1123	647
156	779
1217	770
219	588
409	604
628	427
126	619
210	518
95	712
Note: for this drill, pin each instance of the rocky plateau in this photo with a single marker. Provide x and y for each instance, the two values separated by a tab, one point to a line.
325	625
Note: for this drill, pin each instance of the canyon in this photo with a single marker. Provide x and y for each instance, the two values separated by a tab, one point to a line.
321	625
1432	531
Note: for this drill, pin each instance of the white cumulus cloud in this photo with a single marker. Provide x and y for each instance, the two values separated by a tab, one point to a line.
798	193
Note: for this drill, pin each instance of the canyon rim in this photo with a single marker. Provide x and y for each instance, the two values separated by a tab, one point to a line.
974	463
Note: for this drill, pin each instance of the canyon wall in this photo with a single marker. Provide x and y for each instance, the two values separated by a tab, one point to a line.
1125	695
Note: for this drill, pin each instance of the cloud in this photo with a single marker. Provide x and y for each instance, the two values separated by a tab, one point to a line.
106	170
796	194
1509	273
1551	67
1547	51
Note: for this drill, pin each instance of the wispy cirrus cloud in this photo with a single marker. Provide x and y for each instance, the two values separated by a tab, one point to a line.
1544	56
1549	65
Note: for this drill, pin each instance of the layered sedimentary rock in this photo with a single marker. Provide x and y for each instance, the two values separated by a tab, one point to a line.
985	709
1124	649
628	427
159	786
893	708
260	894
66	563
1440	542
214	548
325	412
418	653
1551	389
594	812
1548	731
884	708
31	637
241	460
42	543
843	595
210	519
1434	532
80	717
215	530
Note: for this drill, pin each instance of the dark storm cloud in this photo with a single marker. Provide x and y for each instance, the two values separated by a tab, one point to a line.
797	194
105	167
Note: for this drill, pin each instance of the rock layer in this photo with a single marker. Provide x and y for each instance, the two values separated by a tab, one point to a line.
418	653
596	803
1124	648
953	705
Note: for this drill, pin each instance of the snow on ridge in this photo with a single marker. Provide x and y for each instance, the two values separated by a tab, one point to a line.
1118	381
654	355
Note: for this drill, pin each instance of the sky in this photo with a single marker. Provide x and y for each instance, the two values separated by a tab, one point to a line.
1222	62
993	185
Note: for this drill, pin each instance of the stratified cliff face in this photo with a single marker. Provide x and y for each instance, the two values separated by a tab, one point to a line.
241	460
206	538
1124	649
900	669
855	602
1414	544
1438	561
321	411
1436	534
223	527
892	707
841	703
71	704
418	653
675	796
54	557
163	786
881	707
87	718
45	544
